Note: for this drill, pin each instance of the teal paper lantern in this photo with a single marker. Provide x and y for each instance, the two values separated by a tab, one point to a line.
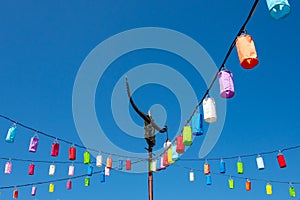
278	8
11	134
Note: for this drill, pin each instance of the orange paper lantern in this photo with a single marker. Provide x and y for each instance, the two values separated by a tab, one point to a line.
246	51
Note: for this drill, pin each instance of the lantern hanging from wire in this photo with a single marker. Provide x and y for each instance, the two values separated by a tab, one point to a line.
15	194
51	169
197	124
128	165
8	167
209	110
107	171
231	183
269	189
175	155
108	162
281	160
69	185
240	167
206	168
71	170
90	170
246	51
208	179
192	176
260	162
279	8
179	144
34	141
99	160
86	157
226	84
72	153
87	181
248	185
55	148
187	136
11	133
51	187
120	164
222	166
33	190
292	191
31	169
102	177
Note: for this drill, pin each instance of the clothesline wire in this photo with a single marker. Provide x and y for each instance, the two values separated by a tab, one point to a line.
240	177
49	181
241	156
66	141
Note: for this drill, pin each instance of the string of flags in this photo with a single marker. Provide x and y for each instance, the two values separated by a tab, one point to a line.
248	58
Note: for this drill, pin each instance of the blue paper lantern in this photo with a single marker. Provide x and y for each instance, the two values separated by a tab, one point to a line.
102	177
11	134
279	8
222	166
90	170
208	180
197	124
120	164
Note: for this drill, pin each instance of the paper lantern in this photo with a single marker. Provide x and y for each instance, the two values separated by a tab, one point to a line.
86	157
107	171
87	181
51	169
33	190
34	141
231	183
120	164
51	187
31	169
8	167
179	144
90	170
109	163
128	165
162	166
187	135
175	155
208	180
72	153
248	185
170	160
166	160
209	110
11	134
226	84
279	8
192	176
102	177
292	191
269	190
99	161
281	160
153	164
206	169
222	166
167	144
54	149
260	163
69	185
197	124
71	170
16	194
246	51
240	168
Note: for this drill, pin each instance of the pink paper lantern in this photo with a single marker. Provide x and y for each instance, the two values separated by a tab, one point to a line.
226	84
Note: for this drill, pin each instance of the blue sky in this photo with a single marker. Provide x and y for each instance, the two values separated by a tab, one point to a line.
43	45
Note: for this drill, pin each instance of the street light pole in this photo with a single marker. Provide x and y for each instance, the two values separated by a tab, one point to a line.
150	128
150	175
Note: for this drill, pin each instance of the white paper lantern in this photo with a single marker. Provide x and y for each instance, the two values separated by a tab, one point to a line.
209	110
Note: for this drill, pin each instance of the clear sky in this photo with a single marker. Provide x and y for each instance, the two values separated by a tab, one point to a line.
43	45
